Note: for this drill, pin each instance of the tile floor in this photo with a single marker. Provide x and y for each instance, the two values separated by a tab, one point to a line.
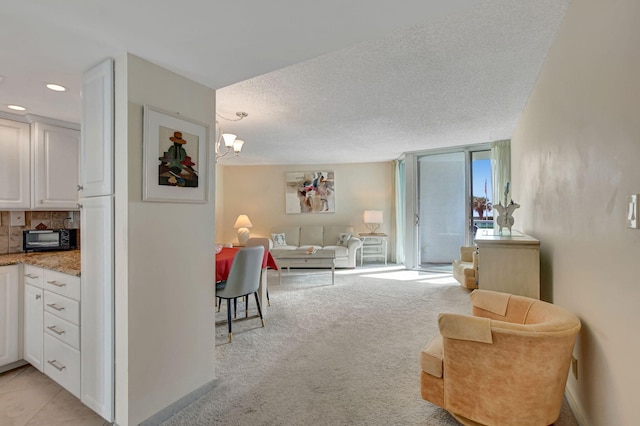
29	398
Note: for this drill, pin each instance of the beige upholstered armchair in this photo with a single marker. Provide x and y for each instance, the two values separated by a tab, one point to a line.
505	365
465	269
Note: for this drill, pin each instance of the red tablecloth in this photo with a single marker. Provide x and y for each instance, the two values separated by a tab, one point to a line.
224	260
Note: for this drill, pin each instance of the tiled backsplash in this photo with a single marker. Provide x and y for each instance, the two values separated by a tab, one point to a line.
11	236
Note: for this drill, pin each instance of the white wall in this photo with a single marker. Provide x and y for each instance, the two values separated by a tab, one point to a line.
576	156
259	192
165	280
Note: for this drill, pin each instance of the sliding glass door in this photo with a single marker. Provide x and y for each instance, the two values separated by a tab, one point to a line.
453	200
442	224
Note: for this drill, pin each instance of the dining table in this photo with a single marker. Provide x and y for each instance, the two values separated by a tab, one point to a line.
224	260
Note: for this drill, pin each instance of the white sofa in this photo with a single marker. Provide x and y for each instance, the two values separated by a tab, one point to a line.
320	237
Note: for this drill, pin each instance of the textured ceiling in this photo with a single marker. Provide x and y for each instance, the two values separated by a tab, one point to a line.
328	81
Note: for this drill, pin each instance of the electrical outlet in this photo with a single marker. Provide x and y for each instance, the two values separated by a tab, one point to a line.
16	218
574	366
70	217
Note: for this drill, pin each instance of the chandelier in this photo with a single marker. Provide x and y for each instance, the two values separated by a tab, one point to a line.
228	144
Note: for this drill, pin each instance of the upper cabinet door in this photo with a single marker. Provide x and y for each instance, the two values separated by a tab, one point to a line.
57	167
15	172
97	131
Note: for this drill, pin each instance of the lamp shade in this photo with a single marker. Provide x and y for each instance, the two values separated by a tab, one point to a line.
243	222
373	216
228	138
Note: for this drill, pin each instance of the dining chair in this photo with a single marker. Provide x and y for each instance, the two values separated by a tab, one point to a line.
243	280
267	244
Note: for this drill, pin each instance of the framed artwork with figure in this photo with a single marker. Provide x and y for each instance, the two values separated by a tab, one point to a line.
310	192
175	153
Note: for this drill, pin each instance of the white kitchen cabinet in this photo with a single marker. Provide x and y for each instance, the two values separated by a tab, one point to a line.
9	314
15	169
97	331
56	166
33	325
97	131
52	321
61	329
33	279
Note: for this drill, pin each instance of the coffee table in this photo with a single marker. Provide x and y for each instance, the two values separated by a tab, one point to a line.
302	259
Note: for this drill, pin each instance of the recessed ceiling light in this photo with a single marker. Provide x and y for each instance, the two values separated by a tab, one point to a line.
16	107
56	87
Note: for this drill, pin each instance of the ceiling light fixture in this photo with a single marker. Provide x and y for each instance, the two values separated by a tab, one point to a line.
228	144
56	87
16	107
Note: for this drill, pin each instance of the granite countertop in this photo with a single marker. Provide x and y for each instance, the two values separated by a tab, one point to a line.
67	262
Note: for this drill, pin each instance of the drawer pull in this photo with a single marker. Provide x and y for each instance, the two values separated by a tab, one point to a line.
56	307
55	330
57	365
38	297
31	276
56	283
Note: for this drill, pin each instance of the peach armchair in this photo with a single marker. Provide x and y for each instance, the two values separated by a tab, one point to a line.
505	365
465	269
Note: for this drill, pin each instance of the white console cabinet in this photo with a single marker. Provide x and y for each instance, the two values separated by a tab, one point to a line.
509	263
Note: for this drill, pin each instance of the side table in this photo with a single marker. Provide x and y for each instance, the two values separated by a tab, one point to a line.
373	246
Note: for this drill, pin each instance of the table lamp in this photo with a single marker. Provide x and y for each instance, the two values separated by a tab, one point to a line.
373	220
242	224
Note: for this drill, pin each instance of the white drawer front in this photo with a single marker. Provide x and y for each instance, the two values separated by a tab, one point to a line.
62	364
33	276
315	263
62	330
62	307
64	284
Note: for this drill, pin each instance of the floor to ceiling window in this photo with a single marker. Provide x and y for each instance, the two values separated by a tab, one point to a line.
481	192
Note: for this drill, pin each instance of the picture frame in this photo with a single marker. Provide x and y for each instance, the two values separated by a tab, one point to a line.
175	158
310	192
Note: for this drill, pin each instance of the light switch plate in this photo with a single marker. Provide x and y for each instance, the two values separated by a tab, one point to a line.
16	219
632	211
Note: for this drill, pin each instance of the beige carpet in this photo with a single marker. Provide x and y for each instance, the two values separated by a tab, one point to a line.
346	354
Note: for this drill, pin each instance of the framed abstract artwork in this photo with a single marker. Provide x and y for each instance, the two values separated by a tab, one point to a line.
175	153
310	192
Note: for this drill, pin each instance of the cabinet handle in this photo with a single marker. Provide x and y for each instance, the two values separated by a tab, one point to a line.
80	188
55	330
57	365
38	297
56	283
56	307
31	276
79	206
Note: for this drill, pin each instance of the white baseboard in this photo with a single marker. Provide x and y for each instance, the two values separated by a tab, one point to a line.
575	408
172	409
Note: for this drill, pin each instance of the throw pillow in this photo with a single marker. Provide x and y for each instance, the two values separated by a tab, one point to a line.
343	239
278	240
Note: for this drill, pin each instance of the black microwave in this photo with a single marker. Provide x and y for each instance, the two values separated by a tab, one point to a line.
49	239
